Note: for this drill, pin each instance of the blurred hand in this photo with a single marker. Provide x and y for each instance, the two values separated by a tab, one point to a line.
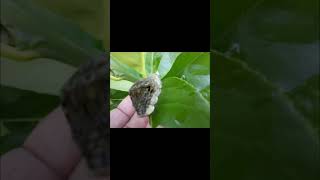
48	153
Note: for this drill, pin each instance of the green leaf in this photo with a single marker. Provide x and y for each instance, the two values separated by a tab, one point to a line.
17	54
121	85
152	60
223	21
19	131
52	36
183	61
280	39
143	62
149	59
180	105
18	103
33	76
256	122
3	129
135	60
306	99
89	15
166	62
116	97
198	73
123	69
198	76
263	51
206	93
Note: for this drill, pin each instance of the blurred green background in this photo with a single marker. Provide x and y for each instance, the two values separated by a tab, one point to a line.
265	90
42	44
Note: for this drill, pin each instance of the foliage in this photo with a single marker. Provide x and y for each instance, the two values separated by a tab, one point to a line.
266	89
47	41
184	100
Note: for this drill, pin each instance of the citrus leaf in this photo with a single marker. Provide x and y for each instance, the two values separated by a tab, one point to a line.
166	62
152	60
123	69
135	60
183	61
121	85
181	106
198	72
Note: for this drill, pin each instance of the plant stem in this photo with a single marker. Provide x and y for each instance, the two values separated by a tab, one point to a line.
143	61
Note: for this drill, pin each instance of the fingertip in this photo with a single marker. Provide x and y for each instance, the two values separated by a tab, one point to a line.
126	106
51	141
118	119
137	122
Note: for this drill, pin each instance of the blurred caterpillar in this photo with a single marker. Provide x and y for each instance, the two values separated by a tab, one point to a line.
85	104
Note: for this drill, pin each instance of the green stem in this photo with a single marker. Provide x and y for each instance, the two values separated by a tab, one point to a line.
143	61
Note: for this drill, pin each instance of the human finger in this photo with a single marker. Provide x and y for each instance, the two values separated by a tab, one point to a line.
20	164
137	122
51	141
122	114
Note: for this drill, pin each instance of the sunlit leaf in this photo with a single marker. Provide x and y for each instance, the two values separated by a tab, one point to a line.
198	72
135	60
121	85
152	60
124	70
166	63
183	61
180	105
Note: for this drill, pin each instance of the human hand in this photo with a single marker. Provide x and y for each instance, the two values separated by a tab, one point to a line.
48	153
125	116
